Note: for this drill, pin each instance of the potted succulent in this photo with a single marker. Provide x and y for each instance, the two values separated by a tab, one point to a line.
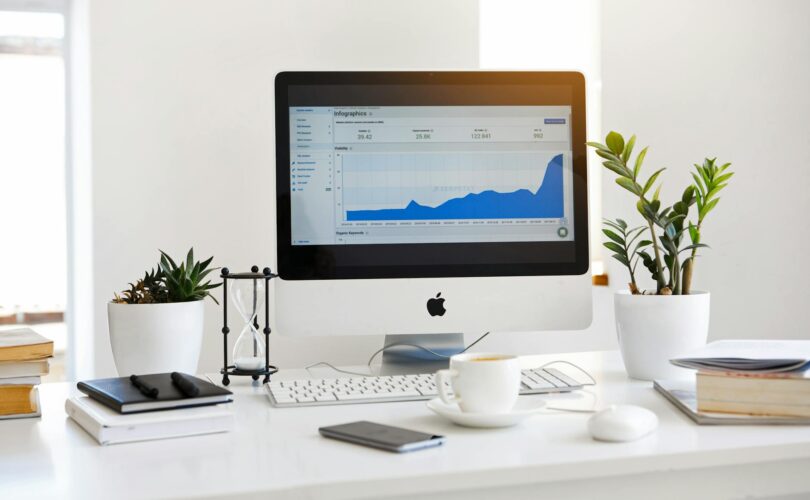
656	325
156	325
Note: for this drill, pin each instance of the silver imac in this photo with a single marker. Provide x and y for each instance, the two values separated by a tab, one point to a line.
430	204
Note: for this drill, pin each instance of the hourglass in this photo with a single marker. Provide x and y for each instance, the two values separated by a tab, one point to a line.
250	356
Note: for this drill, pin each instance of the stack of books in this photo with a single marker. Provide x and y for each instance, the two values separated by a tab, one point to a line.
156	406
751	381
23	361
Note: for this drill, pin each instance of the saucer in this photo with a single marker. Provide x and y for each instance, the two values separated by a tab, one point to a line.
524	408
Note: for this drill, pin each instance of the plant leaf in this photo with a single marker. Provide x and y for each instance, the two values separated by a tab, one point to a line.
598	145
694	235
613	246
639	161
628	150
622	259
613	236
723	178
615	142
695	246
708	208
616	168
629	185
688	197
607	155
651	180
164	255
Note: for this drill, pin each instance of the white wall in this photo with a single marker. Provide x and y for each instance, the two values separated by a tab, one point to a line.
182	127
548	35
731	79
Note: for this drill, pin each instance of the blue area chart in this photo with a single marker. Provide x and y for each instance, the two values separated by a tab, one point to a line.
545	203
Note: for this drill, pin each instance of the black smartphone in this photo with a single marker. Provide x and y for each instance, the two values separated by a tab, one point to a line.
384	437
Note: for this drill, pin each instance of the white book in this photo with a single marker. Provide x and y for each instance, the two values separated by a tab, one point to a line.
21	381
36	413
13	369
109	427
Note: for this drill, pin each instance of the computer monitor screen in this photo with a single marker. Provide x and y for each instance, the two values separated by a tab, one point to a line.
430	174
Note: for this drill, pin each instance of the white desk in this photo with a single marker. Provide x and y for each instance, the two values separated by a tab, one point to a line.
279	452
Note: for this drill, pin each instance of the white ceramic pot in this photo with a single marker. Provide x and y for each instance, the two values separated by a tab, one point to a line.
156	338
653	329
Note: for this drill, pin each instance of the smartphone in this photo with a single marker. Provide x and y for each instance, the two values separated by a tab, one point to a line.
384	437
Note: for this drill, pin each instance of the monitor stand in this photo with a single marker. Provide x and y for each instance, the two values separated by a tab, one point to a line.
405	359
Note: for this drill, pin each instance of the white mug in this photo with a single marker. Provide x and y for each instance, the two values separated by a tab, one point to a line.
482	382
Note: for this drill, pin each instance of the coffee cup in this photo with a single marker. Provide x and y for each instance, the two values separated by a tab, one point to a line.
481	382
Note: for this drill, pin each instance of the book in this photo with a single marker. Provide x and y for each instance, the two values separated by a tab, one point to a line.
17	399
122	396
35	368
782	394
683	395
23	344
108	427
34	397
753	356
20	381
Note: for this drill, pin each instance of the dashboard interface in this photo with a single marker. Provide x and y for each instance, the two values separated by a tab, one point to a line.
430	174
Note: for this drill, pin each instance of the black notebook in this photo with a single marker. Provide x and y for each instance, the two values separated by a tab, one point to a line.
122	396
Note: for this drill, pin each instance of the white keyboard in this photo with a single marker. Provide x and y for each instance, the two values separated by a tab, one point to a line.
391	388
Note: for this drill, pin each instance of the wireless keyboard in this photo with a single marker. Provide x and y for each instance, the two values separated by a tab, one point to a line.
393	388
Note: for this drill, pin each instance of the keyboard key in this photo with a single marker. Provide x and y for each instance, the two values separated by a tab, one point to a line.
551	379
283	398
562	376
538	383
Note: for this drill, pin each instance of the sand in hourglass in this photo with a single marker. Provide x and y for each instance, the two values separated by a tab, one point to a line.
249	363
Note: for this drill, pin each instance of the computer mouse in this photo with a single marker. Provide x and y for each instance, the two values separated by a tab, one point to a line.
619	423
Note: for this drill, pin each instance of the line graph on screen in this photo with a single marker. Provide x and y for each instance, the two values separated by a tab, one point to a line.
453	186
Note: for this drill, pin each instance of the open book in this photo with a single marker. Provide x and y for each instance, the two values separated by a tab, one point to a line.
752	356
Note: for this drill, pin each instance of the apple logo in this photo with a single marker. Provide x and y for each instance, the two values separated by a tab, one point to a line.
435	306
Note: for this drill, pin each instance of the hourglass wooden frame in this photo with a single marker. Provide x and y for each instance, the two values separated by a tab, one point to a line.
228	370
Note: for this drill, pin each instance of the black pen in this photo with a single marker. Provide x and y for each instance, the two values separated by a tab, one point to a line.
185	384
146	389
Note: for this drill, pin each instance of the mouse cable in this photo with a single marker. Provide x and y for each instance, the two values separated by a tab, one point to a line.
396	344
438	355
579	368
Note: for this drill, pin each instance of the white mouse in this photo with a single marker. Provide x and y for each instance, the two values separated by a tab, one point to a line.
622	423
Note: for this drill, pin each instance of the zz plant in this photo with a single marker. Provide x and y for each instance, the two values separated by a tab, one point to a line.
664	227
171	282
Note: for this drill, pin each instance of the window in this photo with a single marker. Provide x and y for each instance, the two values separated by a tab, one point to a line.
32	173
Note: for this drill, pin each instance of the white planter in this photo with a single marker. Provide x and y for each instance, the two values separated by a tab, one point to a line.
653	329
156	338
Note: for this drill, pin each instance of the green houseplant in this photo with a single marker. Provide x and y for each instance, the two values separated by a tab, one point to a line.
656	325
156	325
